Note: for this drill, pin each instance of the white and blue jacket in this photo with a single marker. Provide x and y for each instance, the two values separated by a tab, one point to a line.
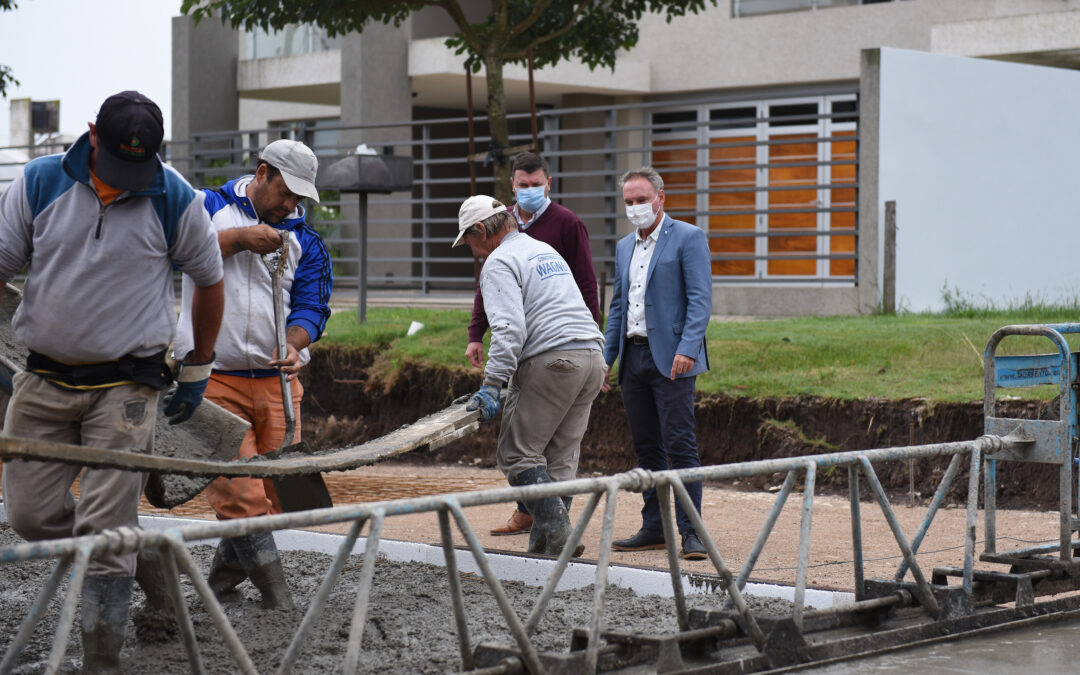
100	281
248	337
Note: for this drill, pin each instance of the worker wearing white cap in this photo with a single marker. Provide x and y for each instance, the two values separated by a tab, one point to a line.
250	215
546	347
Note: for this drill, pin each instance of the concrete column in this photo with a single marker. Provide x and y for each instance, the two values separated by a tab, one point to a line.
376	89
868	277
204	95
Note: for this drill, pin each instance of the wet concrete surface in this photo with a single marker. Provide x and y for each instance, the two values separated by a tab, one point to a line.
1047	648
410	626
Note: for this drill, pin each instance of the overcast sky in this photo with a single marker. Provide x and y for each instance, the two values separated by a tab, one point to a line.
82	51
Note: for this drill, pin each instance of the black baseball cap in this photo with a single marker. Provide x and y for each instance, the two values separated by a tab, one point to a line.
129	133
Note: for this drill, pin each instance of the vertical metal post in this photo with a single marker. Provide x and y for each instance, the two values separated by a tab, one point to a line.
528	650
551	149
455	590
607	533
888	284
532	102
363	592
425	208
362	261
472	128
611	200
663	495
455	582
972	514
856	529
990	506
176	595
1065	505
804	543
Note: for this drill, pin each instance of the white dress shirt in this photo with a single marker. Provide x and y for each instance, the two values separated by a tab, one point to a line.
635	292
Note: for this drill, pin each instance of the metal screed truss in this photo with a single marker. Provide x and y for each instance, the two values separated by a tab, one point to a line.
913	606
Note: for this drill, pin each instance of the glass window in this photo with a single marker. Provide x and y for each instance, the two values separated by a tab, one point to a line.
668	122
793	115
290	41
754	7
733	118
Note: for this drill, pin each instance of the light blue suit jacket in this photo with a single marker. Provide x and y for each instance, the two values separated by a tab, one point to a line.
678	297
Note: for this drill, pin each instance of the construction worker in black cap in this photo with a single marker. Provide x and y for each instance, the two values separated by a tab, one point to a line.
104	223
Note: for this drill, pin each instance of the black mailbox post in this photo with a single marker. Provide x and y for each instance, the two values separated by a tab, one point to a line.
364	174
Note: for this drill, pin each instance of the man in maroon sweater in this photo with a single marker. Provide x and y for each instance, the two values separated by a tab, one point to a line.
558	226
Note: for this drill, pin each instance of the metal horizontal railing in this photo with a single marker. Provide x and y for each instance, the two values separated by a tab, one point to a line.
409	233
171	544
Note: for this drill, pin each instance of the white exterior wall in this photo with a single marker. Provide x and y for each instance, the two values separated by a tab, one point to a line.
713	50
980	157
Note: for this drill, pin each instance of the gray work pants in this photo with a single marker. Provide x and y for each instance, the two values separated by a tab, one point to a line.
547	410
37	495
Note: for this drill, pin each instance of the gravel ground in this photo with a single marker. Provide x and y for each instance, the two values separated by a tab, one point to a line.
410	626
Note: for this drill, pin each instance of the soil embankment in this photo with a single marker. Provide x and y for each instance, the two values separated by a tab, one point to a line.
345	405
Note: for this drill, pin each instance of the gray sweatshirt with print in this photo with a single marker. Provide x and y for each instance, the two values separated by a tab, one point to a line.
533	306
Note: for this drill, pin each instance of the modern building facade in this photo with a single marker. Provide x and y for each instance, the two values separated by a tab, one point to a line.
754	111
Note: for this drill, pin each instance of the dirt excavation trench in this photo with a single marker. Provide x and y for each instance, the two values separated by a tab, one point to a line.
345	405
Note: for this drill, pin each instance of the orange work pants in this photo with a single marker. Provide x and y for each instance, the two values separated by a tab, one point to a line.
257	400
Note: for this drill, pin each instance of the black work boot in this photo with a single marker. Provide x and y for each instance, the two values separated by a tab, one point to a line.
258	555
226	572
551	522
155	619
105	604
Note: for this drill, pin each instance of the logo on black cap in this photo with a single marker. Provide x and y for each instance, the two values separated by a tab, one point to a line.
128	164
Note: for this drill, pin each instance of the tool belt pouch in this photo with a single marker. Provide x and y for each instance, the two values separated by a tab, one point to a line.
149	371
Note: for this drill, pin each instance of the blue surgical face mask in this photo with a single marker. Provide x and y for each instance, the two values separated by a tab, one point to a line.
532	199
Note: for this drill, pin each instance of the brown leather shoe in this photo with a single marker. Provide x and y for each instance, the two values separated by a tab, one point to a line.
519	523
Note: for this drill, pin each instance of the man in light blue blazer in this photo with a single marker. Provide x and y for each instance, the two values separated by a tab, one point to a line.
660	308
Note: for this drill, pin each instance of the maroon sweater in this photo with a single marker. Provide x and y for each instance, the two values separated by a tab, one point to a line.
560	228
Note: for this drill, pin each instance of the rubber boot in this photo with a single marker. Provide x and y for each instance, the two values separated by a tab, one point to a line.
226	573
105	604
258	555
155	620
551	522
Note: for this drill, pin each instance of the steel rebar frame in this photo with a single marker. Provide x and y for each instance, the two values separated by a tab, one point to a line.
172	545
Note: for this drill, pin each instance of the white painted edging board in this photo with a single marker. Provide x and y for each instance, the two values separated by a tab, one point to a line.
531	571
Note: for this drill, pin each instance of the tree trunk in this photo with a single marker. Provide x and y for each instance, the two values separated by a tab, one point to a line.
497	123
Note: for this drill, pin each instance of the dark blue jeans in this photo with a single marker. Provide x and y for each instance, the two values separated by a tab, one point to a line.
662	425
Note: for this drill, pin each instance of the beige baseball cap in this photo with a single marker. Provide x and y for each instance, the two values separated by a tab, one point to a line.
473	210
297	164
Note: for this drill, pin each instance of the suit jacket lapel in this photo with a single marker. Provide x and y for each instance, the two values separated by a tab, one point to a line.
661	243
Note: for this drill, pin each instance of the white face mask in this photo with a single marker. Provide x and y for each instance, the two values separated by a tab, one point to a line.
641	215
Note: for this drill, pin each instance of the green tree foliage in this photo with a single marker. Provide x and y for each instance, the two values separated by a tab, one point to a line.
590	30
6	77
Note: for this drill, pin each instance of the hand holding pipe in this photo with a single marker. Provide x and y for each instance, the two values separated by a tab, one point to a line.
277	271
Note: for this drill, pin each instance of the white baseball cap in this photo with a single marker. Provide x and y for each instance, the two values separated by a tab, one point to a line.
473	210
297	164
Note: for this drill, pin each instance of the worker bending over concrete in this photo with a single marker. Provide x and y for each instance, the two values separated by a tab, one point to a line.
249	214
545	345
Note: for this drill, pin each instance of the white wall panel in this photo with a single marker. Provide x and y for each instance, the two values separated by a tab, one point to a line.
982	160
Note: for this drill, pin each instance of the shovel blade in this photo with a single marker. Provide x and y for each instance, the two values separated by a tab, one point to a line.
302	492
